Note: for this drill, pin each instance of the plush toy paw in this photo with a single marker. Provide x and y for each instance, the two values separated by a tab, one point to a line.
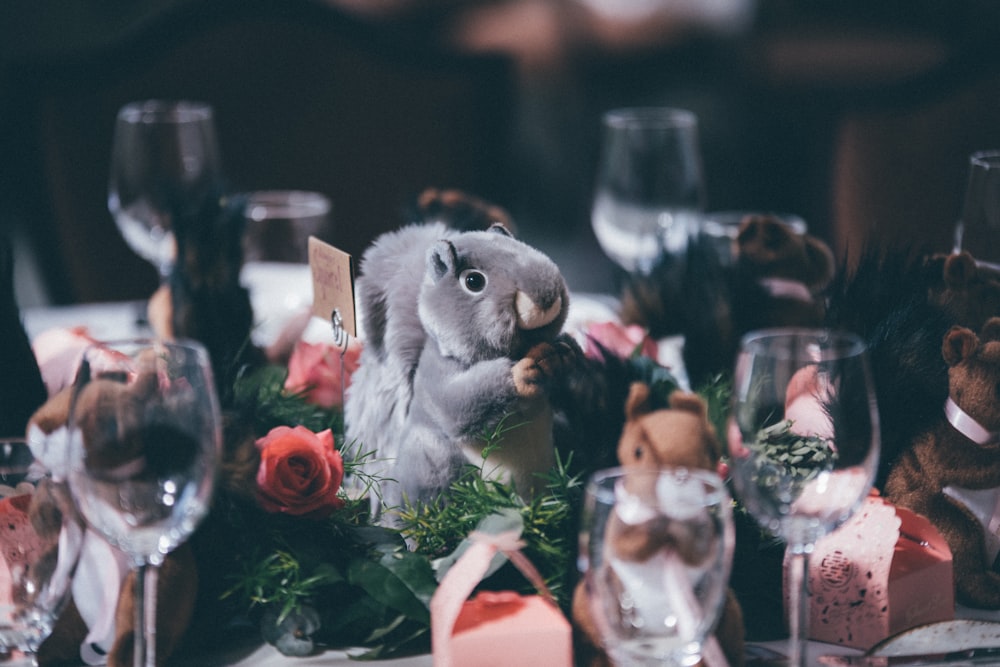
542	363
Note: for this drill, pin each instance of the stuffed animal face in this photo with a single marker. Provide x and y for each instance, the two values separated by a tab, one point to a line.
974	372
486	295
127	426
109	412
969	294
769	248
679	436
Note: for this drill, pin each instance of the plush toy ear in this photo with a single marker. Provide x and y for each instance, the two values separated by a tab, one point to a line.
500	228
54	413
761	237
637	404
819	259
442	259
689	401
959	269
959	344
991	330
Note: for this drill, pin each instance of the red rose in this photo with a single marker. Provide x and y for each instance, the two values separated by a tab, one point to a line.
622	341
300	472
314	369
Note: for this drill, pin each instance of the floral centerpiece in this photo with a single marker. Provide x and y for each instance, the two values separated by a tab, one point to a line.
290	533
290	536
289	551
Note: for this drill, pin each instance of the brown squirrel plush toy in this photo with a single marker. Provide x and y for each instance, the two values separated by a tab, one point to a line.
775	278
791	268
102	624
680	436
952	470
967	292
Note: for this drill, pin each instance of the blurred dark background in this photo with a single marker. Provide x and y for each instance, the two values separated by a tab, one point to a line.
858	116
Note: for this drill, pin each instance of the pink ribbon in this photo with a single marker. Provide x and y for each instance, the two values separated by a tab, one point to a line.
463	577
785	288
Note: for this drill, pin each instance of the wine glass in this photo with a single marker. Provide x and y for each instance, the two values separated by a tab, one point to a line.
803	442
276	258
39	549
145	439
648	194
164	164
656	549
978	230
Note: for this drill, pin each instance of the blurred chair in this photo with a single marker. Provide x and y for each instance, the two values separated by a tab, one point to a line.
900	170
900	93
305	97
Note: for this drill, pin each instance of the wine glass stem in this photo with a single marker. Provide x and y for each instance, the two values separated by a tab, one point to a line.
798	607
145	615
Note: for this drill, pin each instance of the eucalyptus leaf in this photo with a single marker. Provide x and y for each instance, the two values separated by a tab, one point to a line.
377	536
399	580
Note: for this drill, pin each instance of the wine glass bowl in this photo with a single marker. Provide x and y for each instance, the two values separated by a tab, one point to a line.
649	189
145	439
164	162
656	550
978	229
280	222
803	440
39	549
276	258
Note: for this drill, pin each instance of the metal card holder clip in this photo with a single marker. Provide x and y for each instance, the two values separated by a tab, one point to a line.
341	339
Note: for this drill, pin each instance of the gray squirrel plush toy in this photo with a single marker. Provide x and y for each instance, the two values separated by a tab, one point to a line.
461	338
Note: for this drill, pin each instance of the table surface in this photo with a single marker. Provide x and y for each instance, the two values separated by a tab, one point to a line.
124	319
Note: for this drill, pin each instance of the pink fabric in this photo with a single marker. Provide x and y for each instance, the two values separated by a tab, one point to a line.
621	340
58	353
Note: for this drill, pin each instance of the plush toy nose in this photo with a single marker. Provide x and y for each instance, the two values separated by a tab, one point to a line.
531	316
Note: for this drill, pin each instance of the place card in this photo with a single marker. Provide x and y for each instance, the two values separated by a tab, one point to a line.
333	284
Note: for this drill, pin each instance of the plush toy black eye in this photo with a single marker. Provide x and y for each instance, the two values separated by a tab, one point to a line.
638	452
473	281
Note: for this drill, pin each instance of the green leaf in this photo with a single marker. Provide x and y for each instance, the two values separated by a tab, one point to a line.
399	580
377	537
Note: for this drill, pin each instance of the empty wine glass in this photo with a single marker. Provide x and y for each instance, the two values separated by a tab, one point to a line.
39	550
164	163
144	445
648	194
978	230
803	444
656	549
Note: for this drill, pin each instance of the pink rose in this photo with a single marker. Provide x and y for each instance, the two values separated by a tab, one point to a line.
314	369
300	472
621	340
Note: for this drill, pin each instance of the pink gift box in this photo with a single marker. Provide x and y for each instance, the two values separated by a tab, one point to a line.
884	571
496	629
501	629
